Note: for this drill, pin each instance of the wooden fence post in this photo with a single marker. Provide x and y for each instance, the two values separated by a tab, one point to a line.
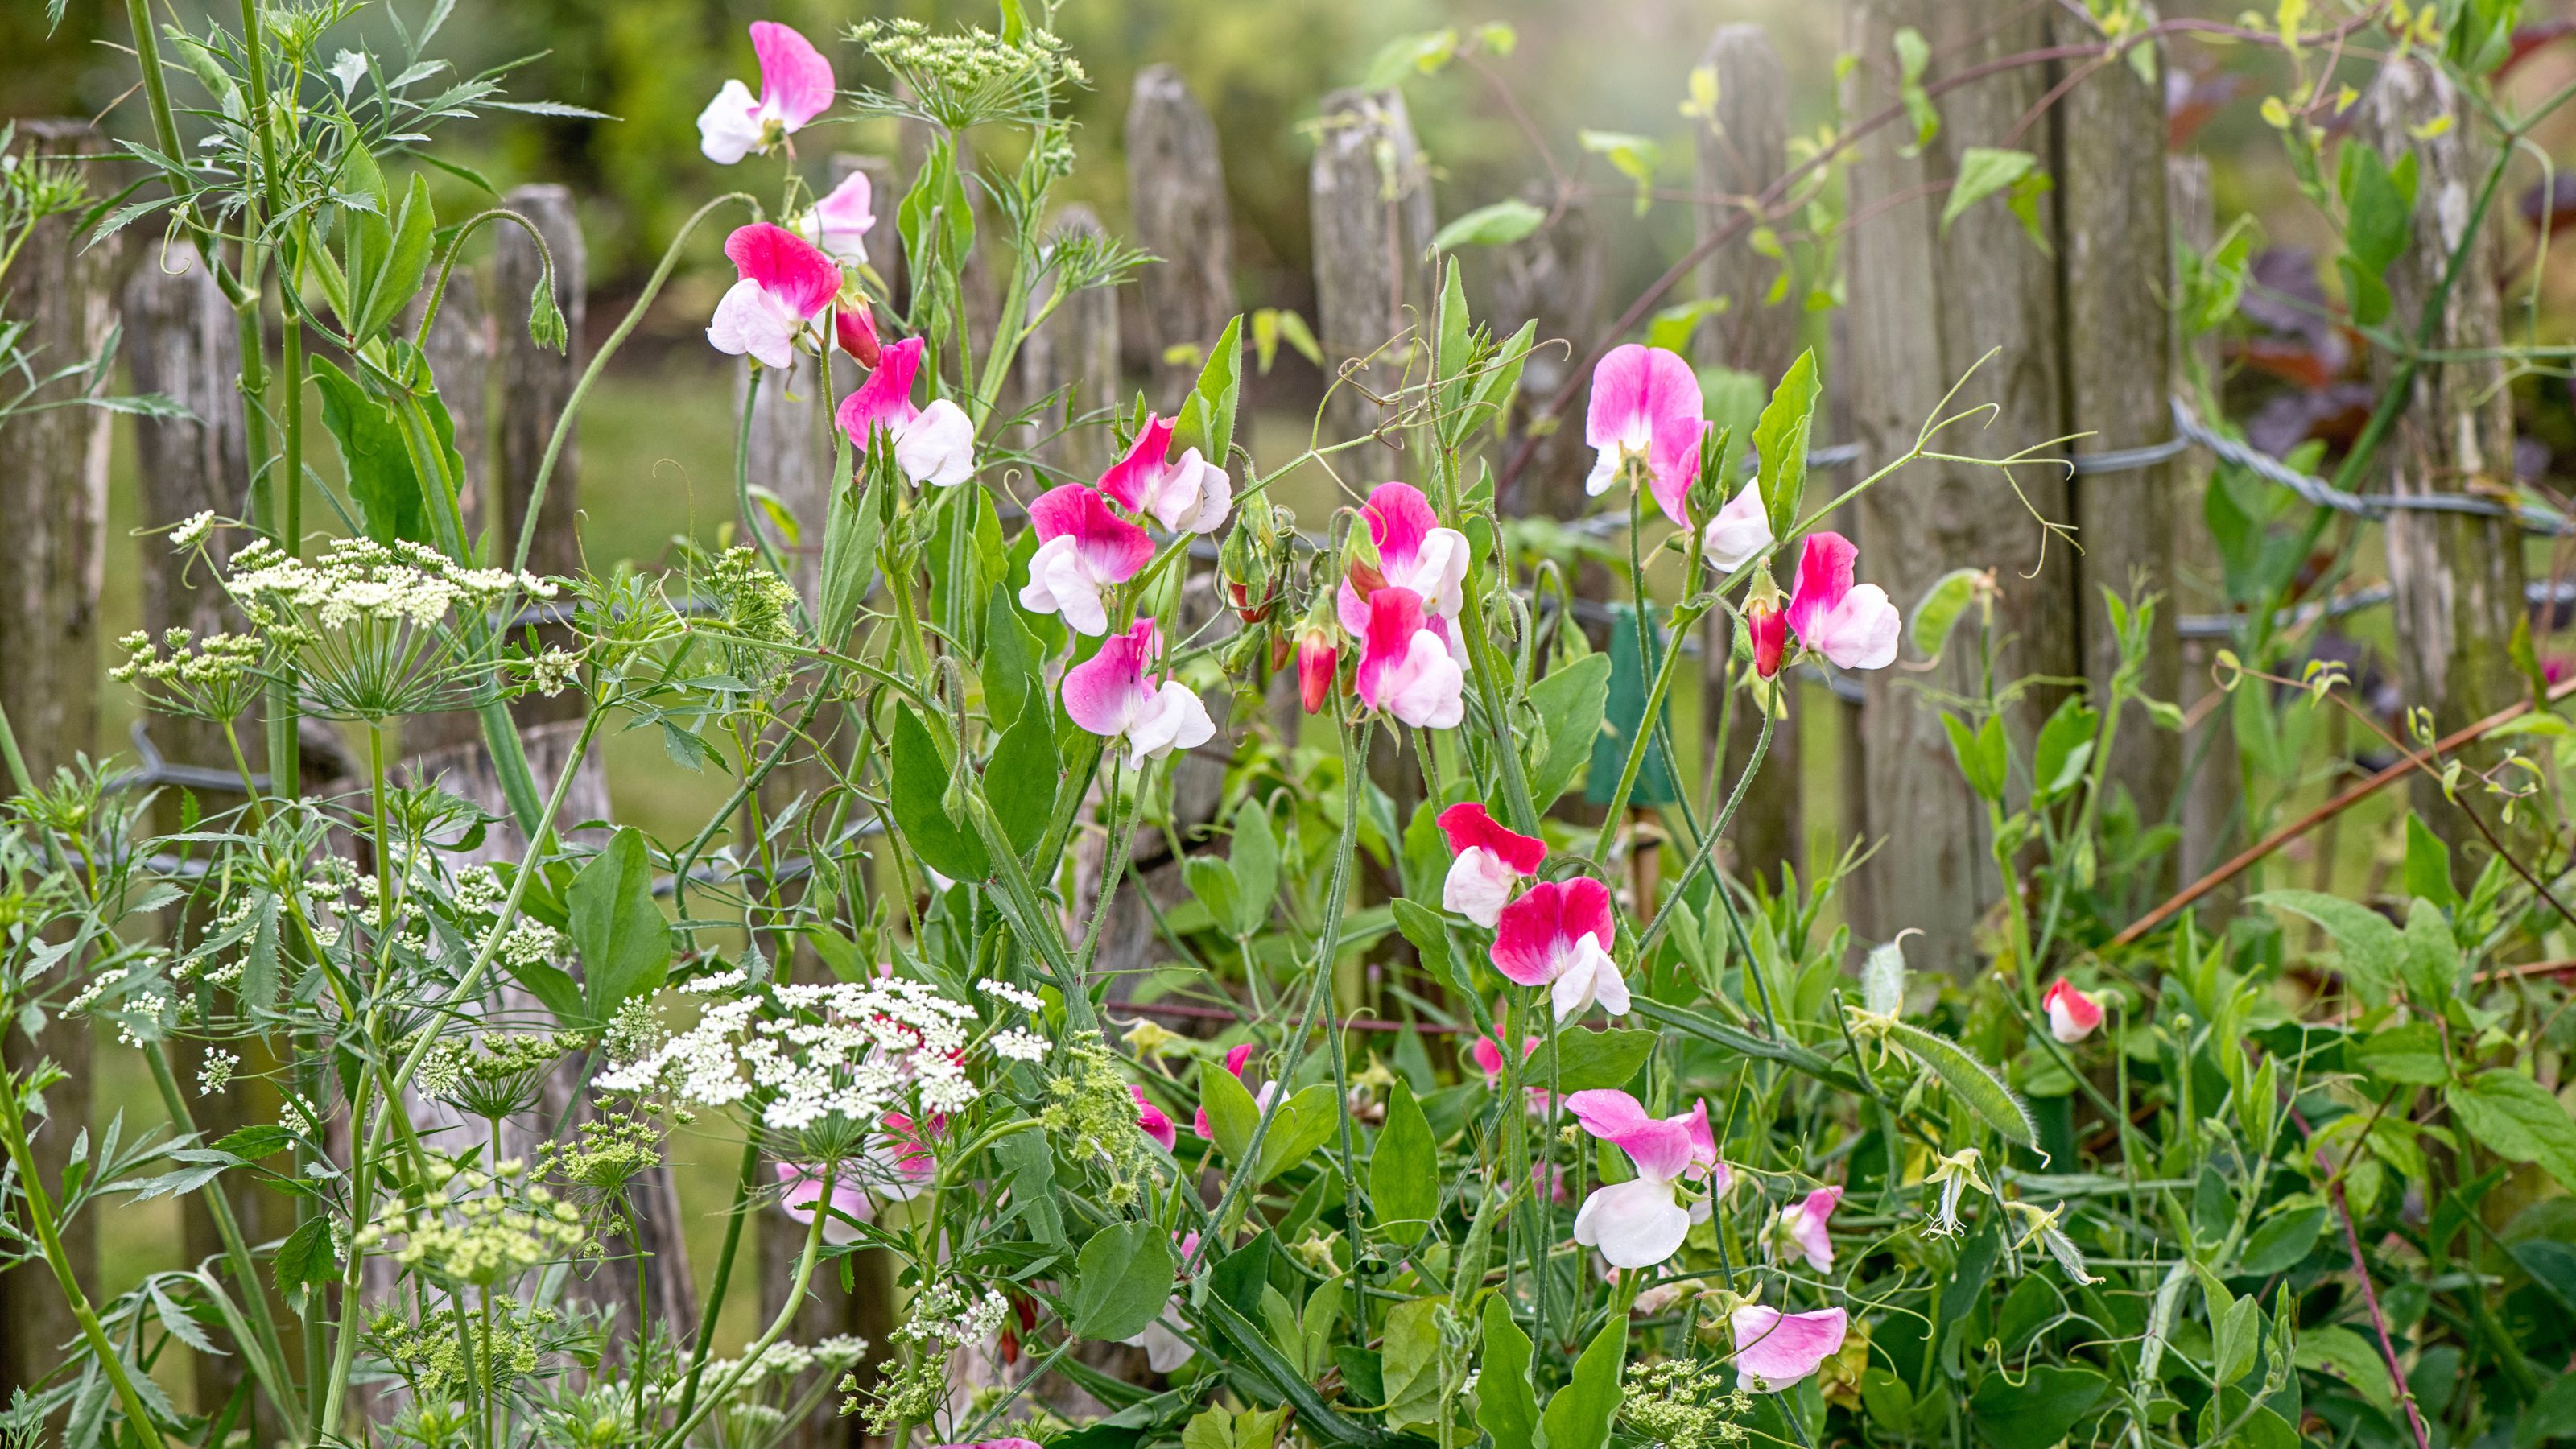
2117	254
1924	309
2212	794
1554	277
2458	577
1372	221
53	492
1176	195
462	345
1743	153
1076	352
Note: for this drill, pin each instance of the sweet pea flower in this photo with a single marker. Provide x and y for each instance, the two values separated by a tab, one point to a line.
1153	1121
1639	1223
1413	552
1319	655
1774	1350
1558	935
1083	548
1261	1098
804	1187
1645	404
1186	495
1487	1054
784	284
854	326
933	445
2072	1015
1491	861
1769	630
1404	668
839	223
795	87
1800	1230
1739	533
1854	626
1111	695
1165	1349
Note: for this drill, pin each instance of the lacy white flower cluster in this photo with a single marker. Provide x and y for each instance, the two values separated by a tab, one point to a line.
851	1048
951	1317
361	580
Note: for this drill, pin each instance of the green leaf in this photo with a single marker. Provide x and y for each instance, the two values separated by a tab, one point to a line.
1022	777
2515	1117
1673	327
1486	226
1939	609
851	525
1981	753
1255	859
2432	962
1121	1280
258	1140
1983	171
305	1257
920	784
1913	54
1970	1080
2428	864
1578	1416
2409	1053
2377	200
1011	668
381	479
387	291
1569	702
1636	157
1207	418
2334	1349
2064	746
1411	1367
2284	1239
1211	879
2037	1411
1780	440
1232	1112
1029	1162
1430	936
1303	1123
625	943
2373	952
1582	1060
1506	1405
1404	1170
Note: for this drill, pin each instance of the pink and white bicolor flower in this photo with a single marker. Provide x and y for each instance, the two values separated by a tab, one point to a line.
1558	935
1235	1060
1491	862
1083	548
1641	1222
1413	552
839	223
1153	1121
2072	1015
1112	695
803	1188
1405	668
1775	1350
784	285
1187	494
1645	404
1854	626
1800	1230
1739	533
933	445
795	87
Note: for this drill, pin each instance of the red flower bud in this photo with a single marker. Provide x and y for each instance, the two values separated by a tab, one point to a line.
1317	659
856	329
1769	629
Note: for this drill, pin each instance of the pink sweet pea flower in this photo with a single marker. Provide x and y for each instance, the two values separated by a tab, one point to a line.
1645	404
1153	1120
804	1187
1558	935
1769	630
1083	549
1404	668
839	223
1111	695
1487	1054
795	87
784	284
1739	533
1319	655
1491	860
2072	1015
855	328
1413	552
1855	627
1639	1223
1800	1230
1234	1064
1773	1350
934	445
1187	495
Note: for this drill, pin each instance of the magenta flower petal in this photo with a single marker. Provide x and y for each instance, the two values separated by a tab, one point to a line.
795	79
1534	942
1470	824
885	399
1824	577
1774	1350
786	266
1132	477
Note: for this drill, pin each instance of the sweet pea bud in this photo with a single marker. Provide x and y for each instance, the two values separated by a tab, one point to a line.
1249	562
1769	631
1708	491
854	325
1319	657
